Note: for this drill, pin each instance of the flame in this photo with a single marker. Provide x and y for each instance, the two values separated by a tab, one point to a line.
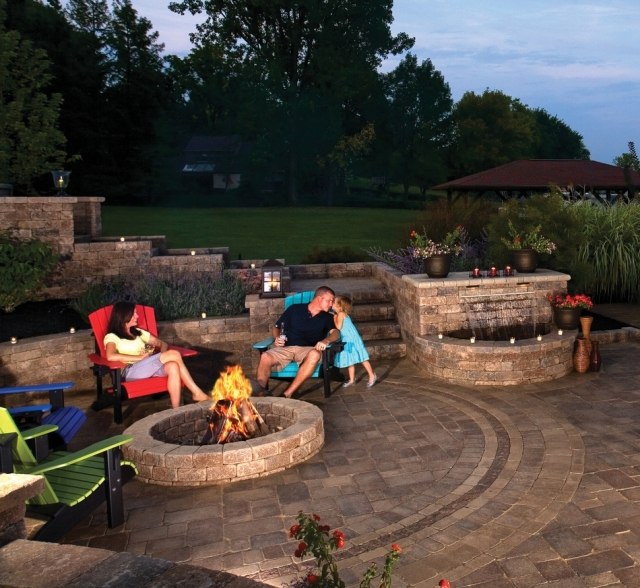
229	392
231	385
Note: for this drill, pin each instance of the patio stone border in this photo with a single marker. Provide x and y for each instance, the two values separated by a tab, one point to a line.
163	462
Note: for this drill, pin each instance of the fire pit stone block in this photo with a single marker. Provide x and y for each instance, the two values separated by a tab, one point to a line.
166	446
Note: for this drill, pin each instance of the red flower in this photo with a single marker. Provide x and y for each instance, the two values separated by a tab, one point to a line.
444	583
324	528
413	234
293	531
339	539
316	517
312	579
395	547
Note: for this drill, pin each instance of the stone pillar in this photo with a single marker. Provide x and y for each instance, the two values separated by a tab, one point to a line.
15	490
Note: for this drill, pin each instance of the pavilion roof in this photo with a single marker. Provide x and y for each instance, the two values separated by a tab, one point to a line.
539	174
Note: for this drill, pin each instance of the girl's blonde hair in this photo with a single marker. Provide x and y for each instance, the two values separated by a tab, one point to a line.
345	303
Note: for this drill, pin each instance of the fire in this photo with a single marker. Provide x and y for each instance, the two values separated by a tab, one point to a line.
231	385
232	416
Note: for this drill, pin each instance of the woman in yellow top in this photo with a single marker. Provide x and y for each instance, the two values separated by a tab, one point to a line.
126	342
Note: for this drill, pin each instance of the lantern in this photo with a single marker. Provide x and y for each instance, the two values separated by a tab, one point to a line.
61	180
272	279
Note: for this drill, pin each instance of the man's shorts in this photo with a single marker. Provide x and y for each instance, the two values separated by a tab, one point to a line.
149	367
282	356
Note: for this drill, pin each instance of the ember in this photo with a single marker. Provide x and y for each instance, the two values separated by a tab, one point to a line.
232	416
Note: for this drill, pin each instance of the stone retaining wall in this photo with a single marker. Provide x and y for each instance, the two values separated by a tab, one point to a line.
55	358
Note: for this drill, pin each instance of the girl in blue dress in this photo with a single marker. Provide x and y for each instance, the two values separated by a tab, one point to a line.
354	350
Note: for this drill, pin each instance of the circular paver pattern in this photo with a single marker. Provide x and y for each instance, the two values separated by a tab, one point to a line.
457	476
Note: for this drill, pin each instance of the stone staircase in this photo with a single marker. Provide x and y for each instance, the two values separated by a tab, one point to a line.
373	313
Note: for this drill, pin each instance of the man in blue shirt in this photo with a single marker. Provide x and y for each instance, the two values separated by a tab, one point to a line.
301	334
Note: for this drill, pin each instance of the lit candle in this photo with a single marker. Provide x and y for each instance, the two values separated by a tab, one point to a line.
253	266
559	331
440	335
193	252
472	340
493	272
512	340
14	340
121	238
72	330
204	315
476	272
539	337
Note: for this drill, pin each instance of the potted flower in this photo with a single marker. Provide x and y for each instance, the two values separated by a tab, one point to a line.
436	255
567	309
524	247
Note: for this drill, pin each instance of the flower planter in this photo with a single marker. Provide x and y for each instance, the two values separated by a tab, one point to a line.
566	318
524	260
437	266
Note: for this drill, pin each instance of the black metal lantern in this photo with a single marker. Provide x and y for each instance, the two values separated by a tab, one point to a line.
60	180
272	279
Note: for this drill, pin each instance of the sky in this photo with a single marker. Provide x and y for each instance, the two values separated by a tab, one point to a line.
577	60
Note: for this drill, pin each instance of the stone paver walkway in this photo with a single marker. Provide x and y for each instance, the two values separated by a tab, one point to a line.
530	486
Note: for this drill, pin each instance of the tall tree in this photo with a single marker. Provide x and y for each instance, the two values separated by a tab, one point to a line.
134	94
491	129
555	139
311	56
32	143
420	121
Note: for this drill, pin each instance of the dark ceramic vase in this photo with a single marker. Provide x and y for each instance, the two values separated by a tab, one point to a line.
437	266
524	261
566	318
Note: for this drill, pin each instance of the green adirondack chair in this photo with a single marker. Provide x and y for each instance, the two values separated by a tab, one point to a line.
75	483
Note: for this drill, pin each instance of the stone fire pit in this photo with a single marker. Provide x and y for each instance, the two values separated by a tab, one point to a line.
163	450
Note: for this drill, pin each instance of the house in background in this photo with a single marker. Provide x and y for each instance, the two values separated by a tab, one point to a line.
576	178
214	161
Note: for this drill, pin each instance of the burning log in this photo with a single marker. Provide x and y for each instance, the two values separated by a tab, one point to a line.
232	416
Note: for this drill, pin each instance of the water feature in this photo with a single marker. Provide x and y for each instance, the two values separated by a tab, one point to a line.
501	317
486	331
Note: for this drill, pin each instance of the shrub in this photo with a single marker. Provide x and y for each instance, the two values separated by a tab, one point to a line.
172	298
24	267
611	251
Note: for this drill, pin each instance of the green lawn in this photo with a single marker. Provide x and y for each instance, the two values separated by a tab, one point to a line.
263	233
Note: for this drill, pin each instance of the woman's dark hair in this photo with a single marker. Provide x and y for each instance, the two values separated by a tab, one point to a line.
120	315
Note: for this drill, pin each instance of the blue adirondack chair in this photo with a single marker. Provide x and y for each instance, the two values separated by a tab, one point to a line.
325	369
75	483
68	419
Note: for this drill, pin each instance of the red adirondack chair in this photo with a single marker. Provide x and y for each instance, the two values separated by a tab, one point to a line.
99	320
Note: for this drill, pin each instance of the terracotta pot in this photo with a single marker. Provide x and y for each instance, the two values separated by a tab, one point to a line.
581	357
437	266
524	260
566	318
585	327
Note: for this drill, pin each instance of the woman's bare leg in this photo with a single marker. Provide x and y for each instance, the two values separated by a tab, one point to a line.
184	377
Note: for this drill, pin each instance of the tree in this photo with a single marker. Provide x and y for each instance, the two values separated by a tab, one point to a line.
311	58
31	142
134	95
628	159
491	129
420	122
555	139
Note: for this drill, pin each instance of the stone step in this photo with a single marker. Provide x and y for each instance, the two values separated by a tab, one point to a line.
373	312
382	349
374	330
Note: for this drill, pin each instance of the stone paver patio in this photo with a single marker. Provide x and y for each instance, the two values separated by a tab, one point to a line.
533	485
